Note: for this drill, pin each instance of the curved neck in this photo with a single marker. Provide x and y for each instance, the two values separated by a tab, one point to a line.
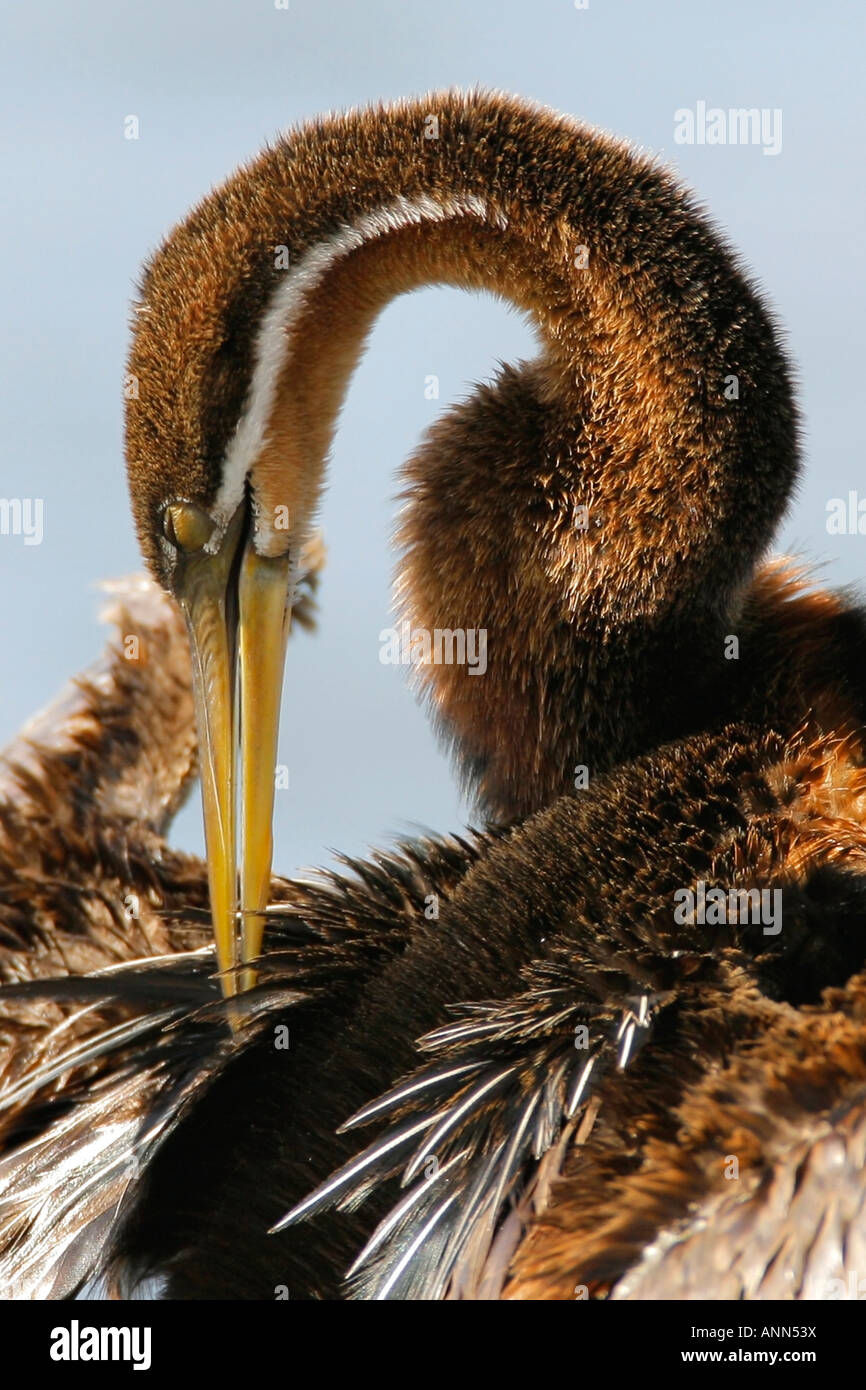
598	513
320	313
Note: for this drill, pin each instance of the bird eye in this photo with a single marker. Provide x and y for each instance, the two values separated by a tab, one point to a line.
187	526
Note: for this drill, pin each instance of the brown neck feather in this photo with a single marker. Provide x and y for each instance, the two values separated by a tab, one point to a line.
599	512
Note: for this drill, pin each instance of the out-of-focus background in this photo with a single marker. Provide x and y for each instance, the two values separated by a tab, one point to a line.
209	81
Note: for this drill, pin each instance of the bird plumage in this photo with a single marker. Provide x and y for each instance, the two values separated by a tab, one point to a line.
660	403
561	924
535	1090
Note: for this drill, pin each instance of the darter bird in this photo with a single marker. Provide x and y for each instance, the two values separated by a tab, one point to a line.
558	1068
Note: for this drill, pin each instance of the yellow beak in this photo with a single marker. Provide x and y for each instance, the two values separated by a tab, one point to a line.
236	603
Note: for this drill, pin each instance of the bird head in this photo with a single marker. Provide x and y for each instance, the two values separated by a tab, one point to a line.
228	548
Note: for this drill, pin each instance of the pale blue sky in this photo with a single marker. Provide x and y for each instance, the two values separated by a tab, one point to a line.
210	80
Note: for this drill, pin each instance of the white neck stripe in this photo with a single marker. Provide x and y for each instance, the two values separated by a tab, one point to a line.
281	318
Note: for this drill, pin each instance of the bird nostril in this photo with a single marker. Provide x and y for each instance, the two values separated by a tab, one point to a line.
187	526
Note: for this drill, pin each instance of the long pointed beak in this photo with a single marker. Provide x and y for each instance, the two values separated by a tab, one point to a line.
237	610
263	628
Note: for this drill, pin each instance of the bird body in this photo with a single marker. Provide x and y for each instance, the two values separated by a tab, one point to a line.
536	1090
564	923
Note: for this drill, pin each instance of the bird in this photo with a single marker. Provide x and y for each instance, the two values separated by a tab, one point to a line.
599	511
662	708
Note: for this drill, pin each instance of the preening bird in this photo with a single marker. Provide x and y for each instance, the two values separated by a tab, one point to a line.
599	511
586	1059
